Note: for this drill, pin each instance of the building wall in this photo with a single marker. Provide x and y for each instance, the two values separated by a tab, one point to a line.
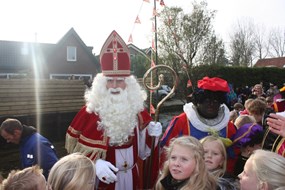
57	62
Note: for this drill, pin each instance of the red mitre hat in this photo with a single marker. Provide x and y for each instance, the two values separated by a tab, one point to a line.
214	84
115	57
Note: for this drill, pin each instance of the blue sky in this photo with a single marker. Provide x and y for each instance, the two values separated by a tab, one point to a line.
47	21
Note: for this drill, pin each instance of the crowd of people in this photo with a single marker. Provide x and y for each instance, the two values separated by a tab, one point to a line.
113	143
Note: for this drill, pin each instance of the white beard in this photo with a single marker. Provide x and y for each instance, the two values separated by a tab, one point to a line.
117	119
117	112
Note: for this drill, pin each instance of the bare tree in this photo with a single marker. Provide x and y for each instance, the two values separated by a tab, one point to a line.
242	44
261	42
181	35
213	52
277	42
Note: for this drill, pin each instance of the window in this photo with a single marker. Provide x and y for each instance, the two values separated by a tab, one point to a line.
71	53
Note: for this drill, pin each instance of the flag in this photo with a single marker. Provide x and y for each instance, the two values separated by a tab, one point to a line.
189	84
138	21
153	27
152	110
154	13
130	39
152	63
153	45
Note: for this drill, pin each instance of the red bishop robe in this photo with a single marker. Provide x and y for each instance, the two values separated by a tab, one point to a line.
83	136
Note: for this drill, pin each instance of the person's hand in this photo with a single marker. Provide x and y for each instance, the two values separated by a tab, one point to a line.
105	171
276	124
154	129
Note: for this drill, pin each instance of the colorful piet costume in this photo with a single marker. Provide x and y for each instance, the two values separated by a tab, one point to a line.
86	135
190	122
279	103
272	141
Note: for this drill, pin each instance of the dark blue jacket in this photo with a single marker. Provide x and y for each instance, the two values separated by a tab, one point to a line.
36	149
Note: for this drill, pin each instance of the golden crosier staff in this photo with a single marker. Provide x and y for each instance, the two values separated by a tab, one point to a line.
156	118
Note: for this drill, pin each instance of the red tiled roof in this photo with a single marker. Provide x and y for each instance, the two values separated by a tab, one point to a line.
271	62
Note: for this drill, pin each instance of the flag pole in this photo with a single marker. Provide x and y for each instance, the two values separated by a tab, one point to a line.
155	32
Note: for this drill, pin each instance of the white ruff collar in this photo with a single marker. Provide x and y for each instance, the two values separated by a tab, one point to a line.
207	125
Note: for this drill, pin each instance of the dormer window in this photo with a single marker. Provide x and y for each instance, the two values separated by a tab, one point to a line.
71	53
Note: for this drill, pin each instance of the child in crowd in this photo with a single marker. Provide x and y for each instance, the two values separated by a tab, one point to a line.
233	116
269	102
215	157
246	103
185	168
257	108
248	138
72	172
238	107
30	178
263	170
243	119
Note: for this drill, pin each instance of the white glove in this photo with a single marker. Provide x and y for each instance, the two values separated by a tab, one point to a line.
105	171
154	129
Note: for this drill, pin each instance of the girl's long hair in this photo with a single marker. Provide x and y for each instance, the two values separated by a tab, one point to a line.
200	178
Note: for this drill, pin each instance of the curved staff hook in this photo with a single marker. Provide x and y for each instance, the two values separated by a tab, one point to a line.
161	80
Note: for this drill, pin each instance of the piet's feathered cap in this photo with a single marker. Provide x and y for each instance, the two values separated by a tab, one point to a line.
282	89
213	84
115	57
214	88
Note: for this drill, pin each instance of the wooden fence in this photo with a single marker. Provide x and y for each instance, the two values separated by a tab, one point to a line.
23	97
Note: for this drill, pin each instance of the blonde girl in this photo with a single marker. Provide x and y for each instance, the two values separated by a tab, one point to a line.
185	167
263	170
72	172
30	178
215	155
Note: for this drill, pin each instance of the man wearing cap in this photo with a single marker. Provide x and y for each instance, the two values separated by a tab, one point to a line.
206	114
113	128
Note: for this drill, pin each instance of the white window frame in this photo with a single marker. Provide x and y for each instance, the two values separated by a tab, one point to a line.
66	76
71	53
13	75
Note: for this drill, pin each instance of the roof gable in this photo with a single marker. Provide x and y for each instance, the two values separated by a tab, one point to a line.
87	49
19	56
